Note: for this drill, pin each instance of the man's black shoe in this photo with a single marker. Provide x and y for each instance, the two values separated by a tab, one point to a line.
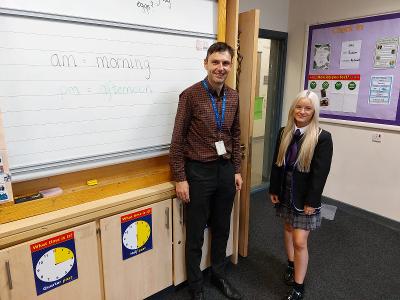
198	296
226	288
288	276
294	295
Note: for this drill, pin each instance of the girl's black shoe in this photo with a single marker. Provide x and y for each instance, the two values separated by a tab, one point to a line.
288	276
294	295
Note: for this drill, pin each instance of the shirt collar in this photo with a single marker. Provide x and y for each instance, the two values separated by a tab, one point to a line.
302	129
214	92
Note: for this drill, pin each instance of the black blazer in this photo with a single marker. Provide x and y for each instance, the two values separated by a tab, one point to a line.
307	186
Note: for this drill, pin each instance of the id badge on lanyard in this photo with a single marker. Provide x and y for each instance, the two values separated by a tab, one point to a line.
220	146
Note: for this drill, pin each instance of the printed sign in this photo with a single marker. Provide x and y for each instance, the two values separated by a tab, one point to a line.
136	233
3	187
350	56
380	89
336	92
54	262
322	53
386	53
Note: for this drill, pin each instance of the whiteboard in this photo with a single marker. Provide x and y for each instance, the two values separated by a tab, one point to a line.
184	15
74	94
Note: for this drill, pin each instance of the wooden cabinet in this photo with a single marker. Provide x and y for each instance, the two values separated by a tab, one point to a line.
64	265
132	271
179	243
128	252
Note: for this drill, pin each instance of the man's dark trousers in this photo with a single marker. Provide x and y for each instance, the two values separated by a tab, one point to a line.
212	192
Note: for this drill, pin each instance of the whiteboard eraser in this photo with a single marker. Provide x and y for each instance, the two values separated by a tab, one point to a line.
51	192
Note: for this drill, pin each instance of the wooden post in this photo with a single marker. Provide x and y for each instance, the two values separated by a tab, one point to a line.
232	20
221	20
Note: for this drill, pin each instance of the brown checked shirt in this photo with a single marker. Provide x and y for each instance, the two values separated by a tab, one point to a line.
196	132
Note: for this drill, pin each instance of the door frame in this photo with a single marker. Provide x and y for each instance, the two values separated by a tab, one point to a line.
282	37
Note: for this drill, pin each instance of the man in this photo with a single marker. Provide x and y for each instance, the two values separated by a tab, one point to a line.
205	164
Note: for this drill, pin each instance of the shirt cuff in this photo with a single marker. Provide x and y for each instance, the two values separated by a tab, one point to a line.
179	177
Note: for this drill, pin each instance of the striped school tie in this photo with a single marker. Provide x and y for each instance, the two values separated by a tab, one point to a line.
293	148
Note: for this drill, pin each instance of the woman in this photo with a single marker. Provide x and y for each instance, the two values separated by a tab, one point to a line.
301	165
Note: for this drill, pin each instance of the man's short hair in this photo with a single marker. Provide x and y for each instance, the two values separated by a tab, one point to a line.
219	47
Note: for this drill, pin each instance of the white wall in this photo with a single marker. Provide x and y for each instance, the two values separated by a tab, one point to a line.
364	174
273	13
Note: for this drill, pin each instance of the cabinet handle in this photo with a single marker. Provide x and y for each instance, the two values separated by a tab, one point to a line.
10	285
181	213
167	217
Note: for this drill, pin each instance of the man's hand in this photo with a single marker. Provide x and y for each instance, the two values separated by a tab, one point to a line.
238	181
182	191
274	198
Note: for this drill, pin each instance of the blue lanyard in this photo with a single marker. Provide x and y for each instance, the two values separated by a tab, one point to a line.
219	120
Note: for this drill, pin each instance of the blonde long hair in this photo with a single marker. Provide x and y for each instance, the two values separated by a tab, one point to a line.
310	136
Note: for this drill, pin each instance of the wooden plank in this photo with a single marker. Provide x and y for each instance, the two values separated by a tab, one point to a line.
221	20
232	20
248	28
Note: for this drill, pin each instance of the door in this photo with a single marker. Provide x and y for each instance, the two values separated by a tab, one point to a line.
58	266
248	37
137	252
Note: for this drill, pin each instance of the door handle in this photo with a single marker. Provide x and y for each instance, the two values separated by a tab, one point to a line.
181	213
167	217
9	279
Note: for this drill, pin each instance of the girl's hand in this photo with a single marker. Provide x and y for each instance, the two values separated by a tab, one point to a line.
274	198
308	210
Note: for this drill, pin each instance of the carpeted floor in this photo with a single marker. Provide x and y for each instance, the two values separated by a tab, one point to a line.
351	257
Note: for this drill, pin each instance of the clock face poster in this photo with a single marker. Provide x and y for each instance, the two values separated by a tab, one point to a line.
136	233
54	262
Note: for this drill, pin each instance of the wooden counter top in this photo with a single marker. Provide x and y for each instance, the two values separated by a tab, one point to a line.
18	231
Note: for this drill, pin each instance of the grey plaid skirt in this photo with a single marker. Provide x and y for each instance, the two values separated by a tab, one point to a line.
297	220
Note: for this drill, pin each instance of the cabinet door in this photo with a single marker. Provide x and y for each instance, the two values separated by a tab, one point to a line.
58	266
179	243
137	252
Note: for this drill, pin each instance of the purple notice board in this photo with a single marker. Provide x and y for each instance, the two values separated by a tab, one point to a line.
354	68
